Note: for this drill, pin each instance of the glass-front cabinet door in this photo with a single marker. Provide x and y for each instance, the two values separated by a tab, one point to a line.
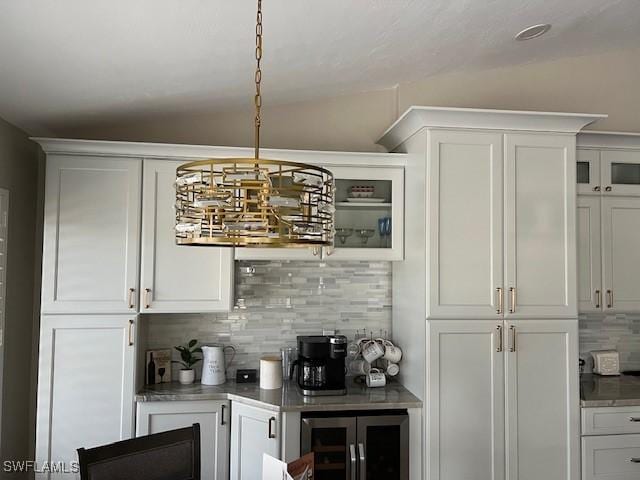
383	445
369	219
620	172
369	214
333	441
588	171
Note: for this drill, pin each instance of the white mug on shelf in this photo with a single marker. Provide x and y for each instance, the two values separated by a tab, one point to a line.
392	353
376	378
359	366
372	350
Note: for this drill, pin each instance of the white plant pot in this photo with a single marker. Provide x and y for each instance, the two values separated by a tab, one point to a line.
187	377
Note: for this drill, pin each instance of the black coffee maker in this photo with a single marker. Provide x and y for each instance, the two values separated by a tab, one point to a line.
320	364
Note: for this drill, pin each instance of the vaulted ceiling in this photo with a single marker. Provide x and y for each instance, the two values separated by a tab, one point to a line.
75	60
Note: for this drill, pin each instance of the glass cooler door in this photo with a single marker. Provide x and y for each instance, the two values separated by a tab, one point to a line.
333	441
383	447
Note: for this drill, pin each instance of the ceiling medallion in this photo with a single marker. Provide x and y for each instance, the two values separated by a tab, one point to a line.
254	202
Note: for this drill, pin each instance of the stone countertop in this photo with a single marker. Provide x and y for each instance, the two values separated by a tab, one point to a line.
609	391
286	399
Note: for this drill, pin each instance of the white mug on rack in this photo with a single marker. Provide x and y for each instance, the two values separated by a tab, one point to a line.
376	378
392	369
372	350
392	353
360	366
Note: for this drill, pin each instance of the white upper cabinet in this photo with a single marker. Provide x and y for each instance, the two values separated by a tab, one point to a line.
91	234
620	253
465	210
588	172
493	200
589	256
540	209
620	172
85	384
177	278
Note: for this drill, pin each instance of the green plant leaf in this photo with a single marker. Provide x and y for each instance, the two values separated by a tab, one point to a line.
192	343
197	350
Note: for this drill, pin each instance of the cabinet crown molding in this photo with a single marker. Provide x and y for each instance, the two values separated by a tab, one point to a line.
418	117
604	139
185	152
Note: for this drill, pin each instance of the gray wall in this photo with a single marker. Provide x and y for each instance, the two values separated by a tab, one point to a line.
597	83
282	300
18	174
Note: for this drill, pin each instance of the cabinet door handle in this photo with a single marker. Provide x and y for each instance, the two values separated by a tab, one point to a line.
609	299
315	251
222	415
130	298
512	331
147	304
352	452
130	333
363	462
634	419
512	302
499	333
607	189
596	188
272	434
598	298
634	460
500	293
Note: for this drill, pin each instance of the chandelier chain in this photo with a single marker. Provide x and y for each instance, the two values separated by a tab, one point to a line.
258	79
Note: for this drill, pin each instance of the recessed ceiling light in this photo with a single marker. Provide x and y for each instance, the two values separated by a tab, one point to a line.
533	31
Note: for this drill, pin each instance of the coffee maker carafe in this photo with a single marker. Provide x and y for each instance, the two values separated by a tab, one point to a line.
320	364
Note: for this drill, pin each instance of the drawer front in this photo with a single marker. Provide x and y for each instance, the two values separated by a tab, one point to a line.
611	457
610	420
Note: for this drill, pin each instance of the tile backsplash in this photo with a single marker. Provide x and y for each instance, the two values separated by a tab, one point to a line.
618	332
278	300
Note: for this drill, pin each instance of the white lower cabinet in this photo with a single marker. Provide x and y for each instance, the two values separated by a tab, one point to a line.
213	417
85	384
502	400
254	431
611	457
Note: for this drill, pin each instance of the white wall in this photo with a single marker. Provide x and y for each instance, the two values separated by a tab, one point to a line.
603	83
18	174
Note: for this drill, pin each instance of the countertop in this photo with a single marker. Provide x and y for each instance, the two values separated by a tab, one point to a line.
609	391
286	399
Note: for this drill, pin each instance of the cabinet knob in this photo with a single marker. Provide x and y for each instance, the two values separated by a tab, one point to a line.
607	189
596	188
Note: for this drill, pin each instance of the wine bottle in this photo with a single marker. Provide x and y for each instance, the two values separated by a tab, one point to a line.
151	370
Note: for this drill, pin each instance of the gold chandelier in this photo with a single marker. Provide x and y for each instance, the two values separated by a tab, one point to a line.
254	202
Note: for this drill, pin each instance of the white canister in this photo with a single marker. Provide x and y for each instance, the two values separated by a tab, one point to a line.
270	372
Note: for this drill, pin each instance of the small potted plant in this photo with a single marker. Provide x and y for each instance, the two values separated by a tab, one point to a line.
188	360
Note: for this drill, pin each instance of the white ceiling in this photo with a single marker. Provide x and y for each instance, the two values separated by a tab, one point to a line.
78	60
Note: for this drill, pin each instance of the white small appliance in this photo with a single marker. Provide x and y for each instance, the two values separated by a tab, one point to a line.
214	367
606	362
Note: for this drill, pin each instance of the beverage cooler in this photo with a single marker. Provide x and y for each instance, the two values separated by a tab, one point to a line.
352	446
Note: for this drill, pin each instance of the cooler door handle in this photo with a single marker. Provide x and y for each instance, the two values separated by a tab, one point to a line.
352	452
363	462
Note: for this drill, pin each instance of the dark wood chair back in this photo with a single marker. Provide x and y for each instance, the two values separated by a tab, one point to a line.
173	455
